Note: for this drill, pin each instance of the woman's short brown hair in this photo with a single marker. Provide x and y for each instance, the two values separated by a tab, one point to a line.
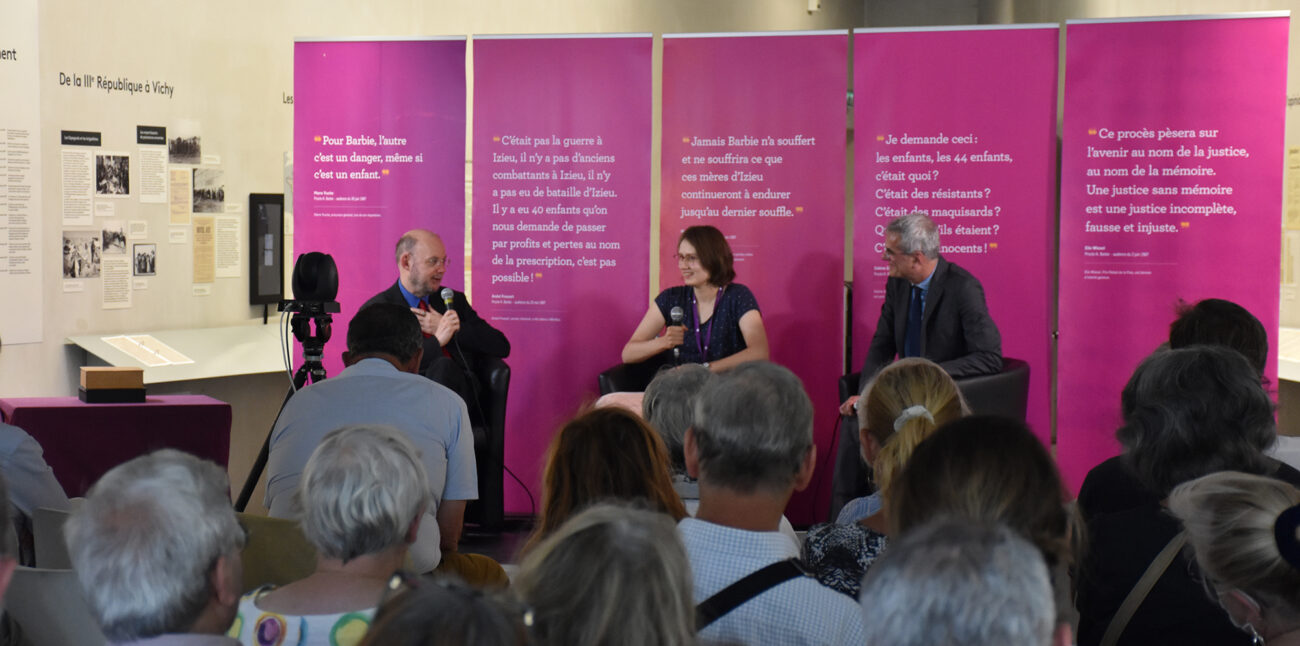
714	252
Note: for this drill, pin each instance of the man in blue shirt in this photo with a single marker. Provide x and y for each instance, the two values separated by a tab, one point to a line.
751	447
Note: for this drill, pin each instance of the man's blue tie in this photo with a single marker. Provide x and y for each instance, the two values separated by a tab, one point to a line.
912	342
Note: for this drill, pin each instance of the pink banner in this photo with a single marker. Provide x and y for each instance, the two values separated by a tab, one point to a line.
753	144
561	210
961	124
1171	187
379	141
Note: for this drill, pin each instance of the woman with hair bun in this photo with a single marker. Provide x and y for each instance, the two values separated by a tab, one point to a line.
1242	528
902	406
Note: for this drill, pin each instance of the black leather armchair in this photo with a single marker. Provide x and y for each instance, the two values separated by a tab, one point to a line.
490	445
1003	393
633	377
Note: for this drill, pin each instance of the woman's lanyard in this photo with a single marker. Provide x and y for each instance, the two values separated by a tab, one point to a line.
695	307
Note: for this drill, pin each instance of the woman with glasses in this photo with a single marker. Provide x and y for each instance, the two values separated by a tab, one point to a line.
720	324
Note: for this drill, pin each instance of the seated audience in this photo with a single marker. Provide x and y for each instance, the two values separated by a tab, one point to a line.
991	469
610	575
903	405
10	633
604	454
156	550
1215	321
960	583
445	611
363	493
751	447
381	385
668	407
32	485
1187	413
1242	528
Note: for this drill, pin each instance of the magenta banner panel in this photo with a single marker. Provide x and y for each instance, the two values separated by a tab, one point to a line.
754	144
961	124
561	213
379	147
1171	188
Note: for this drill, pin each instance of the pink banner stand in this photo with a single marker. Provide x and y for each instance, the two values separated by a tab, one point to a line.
753	144
379	141
561	209
1171	187
960	124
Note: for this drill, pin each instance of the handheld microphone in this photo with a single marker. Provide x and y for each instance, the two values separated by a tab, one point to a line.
447	296
676	314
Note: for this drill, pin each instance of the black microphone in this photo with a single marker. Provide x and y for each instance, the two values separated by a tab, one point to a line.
676	314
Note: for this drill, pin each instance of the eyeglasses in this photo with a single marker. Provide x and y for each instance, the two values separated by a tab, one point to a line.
890	253
690	258
434	261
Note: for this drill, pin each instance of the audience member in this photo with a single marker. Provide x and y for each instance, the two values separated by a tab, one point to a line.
1215	321
380	386
10	633
668	407
362	496
444	611
1242	528
1187	413
960	583
610	575
991	469
156	549
751	447
902	406
604	454
32	485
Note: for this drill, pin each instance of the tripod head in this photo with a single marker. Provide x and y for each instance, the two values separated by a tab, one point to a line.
315	284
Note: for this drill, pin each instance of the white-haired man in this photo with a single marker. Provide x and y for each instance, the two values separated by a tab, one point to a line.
156	550
961	582
751	447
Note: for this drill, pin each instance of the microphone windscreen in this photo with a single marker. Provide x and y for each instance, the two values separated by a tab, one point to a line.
676	314
447	296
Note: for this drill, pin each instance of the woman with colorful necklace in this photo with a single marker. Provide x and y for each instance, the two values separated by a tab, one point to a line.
721	326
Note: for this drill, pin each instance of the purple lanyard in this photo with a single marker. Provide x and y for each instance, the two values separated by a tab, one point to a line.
695	308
